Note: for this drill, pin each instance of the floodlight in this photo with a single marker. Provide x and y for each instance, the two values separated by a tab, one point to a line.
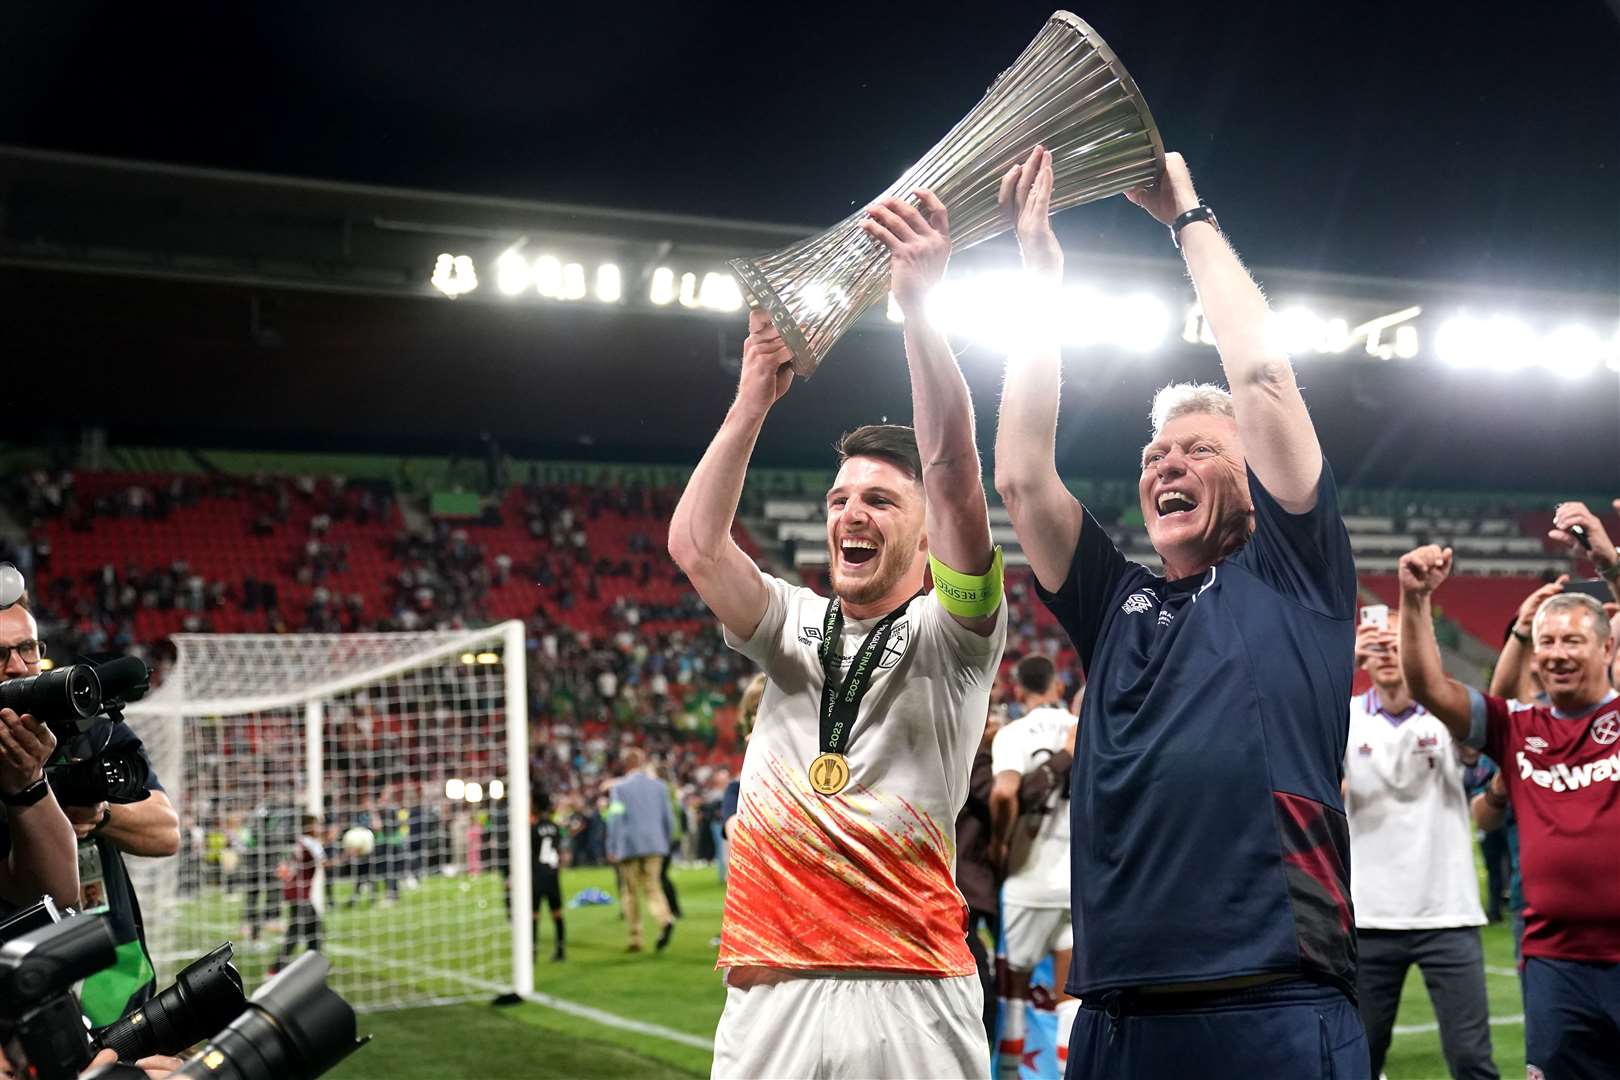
548	276
1084	314
454	275
987	307
1571	351
1141	322
663	286
1501	342
474	791
1406	342
455	789
609	284
1335	336
720	292
573	282
1510	343
512	273
1296	330
497	790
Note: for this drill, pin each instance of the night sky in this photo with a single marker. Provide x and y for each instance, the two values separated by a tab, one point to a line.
1474	142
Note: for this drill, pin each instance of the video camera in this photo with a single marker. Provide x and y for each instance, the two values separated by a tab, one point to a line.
294	1026
76	702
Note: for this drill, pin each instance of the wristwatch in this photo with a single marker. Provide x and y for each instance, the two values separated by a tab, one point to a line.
29	795
1201	212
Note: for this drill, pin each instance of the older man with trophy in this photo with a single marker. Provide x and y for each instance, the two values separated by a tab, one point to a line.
1213	931
843	936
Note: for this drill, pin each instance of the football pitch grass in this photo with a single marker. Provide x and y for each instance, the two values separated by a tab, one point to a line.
611	1014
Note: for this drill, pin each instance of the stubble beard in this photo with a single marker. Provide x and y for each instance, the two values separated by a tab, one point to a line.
889	571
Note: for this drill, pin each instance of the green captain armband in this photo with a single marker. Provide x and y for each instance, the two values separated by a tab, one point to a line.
968	596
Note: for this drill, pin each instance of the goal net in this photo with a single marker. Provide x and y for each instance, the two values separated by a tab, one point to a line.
411	747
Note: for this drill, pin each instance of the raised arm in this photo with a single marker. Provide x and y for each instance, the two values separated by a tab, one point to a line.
1583	532
44	859
1511	676
700	539
1045	515
1279	440
919	242
1421	572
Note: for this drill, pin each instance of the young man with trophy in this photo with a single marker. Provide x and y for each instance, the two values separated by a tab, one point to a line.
842	938
1210	853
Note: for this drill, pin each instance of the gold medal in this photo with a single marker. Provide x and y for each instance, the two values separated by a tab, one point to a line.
829	773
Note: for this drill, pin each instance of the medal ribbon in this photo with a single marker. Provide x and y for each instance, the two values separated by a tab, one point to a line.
839	705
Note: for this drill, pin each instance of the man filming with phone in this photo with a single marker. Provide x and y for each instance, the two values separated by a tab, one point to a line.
1411	842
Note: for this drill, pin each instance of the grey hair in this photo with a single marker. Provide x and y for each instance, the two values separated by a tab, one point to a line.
1185	399
1572	601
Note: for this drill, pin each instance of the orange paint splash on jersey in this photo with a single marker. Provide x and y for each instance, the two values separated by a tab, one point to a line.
857	881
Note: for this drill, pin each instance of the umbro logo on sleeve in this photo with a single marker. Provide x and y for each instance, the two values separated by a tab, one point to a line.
1138	603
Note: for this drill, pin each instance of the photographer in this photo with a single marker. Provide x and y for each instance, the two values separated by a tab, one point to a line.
36	839
104	830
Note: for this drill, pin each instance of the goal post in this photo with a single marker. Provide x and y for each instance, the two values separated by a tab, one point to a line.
414	750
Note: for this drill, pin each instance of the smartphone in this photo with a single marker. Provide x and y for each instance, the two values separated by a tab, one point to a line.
1596	588
1375	615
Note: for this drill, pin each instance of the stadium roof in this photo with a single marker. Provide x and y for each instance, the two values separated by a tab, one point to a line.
175	303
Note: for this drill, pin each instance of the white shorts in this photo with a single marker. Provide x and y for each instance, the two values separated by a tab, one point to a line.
854	1026
1030	934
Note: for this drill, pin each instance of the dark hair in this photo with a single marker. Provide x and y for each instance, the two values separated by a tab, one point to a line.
894	443
1035	674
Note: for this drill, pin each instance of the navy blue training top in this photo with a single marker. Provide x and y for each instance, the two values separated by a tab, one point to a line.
1209	836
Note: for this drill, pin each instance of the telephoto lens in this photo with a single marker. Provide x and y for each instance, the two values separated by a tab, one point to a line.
117	776
295	1028
205	997
65	694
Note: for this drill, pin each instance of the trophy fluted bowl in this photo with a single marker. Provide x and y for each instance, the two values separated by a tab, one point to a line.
1067	91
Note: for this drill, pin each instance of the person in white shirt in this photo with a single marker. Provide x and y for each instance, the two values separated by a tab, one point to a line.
1413	883
1033	850
843	936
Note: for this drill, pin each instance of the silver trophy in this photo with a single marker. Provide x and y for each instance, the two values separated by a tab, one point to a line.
1067	92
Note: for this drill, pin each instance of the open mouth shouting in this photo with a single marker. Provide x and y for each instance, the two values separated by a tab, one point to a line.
1172	502
856	551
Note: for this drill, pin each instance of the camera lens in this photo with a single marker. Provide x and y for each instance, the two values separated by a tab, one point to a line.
66	694
205	997
295	1028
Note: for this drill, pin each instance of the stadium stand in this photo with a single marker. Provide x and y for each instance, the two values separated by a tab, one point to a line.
620	650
